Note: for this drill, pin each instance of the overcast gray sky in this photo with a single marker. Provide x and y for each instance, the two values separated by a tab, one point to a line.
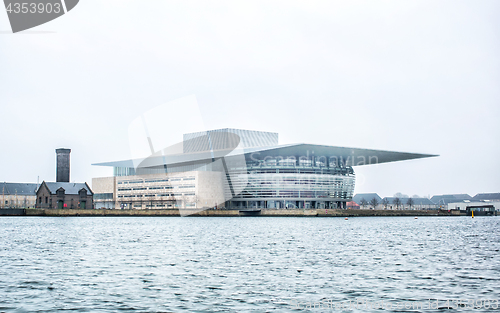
415	76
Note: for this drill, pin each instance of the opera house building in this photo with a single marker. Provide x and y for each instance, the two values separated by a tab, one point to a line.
237	169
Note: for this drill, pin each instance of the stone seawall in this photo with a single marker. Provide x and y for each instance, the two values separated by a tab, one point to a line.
12	212
293	212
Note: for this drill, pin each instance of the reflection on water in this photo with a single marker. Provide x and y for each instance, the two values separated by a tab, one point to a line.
251	264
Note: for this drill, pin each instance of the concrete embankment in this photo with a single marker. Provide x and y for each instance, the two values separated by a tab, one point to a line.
268	212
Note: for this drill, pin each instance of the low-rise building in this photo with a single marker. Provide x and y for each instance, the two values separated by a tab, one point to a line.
62	195
407	204
368	197
17	195
485	207
443	200
486	197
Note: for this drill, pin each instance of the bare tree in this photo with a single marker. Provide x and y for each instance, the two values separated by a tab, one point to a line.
385	202
374	202
397	202
410	202
363	202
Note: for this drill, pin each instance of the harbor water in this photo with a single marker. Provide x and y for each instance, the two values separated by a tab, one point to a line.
250	264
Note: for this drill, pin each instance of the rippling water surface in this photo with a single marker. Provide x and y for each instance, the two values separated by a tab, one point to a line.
250	264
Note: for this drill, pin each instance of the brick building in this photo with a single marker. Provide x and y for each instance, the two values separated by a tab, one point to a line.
62	195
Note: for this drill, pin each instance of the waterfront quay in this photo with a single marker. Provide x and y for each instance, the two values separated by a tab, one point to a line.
234	213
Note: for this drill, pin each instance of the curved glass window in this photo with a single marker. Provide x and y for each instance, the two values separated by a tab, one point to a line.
293	183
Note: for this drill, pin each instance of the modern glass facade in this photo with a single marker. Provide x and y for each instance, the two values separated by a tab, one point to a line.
273	184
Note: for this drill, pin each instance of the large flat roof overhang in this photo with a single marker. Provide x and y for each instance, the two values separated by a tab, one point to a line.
348	156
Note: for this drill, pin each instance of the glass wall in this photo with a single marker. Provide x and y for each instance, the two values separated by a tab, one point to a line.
278	185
